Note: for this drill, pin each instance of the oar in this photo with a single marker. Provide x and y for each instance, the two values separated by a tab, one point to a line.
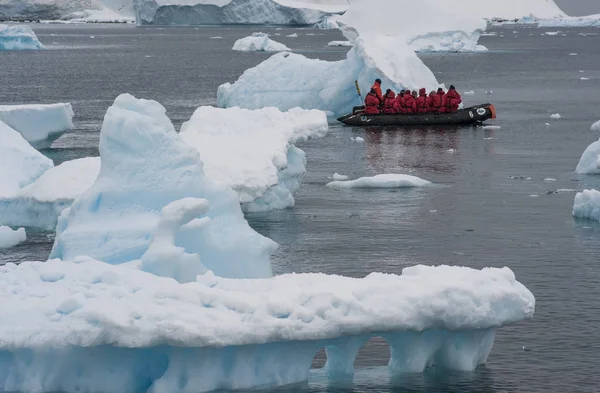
358	91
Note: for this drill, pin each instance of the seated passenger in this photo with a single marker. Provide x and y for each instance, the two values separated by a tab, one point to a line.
430	101
439	104
377	87
421	101
389	100
453	100
372	103
410	105
399	104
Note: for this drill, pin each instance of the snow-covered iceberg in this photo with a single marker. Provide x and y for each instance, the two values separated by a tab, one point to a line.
67	326
18	37
587	205
40	125
589	163
253	152
67	10
40	203
259	42
20	163
10	238
389	180
145	167
575	21
251	12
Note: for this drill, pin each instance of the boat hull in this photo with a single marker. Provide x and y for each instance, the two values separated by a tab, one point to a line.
472	115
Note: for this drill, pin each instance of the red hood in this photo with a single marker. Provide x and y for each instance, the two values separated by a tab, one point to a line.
422	92
392	95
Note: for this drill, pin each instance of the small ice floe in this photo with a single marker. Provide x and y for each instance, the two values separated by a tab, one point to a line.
381	181
549	179
547	124
488	34
357	139
519	178
92	36
555	116
279	28
310	34
336	176
469	93
583	78
551	33
147	56
533	195
339	43
491	127
525	349
489	92
562	191
581	71
292	35
217	37
10	238
596	126
572	54
487	139
433	211
451	151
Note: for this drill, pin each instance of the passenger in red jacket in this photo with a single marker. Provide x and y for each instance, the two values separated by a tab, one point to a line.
453	100
399	104
377	87
389	99
372	103
410	105
430	101
439	102
421	101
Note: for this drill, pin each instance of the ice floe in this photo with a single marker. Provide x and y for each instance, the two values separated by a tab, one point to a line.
253	152
337	176
10	238
259	42
555	116
18	37
381	181
339	43
589	163
40	125
587	205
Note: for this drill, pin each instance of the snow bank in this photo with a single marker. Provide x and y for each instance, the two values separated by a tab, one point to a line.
18	37
40	125
202	12
40	203
145	166
20	164
67	10
288	80
89	319
587	205
253	152
578	21
259	42
10	238
381	181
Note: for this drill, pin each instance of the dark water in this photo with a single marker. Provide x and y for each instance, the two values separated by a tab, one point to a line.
490	206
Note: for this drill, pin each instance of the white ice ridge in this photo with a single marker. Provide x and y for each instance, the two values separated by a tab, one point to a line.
40	125
259	42
288	80
381	181
587	205
10	238
19	37
40	203
66	326
253	152
202	12
75	10
20	163
575	21
145	166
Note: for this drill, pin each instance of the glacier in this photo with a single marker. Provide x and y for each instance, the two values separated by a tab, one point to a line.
387	180
145	166
258	42
40	203
39	124
10	238
20	163
90	326
18	37
253	151
67	10
218	12
587	205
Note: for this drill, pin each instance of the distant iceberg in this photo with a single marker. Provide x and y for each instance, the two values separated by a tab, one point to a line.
67	10
253	152
575	21
249	12
18	37
40	125
259	42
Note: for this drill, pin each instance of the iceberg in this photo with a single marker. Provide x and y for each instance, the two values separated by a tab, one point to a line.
18	37
259	42
67	10
20	163
587	205
389	180
249	12
40	203
253	152
575	21
67	326
145	166
10	238
589	163
40	125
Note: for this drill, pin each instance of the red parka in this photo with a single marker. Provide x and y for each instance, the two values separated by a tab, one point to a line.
453	99
389	100
438	102
371	104
421	102
399	104
410	105
377	87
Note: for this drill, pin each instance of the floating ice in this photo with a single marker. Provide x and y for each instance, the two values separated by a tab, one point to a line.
596	126
259	42
555	116
18	37
589	163
549	179
576	21
253	152
381	181
68	326
40	125
339	43
40	203
490	127
20	163
217	37
587	205
329	22
10	238
551	33
357	139
583	78
146	166
469	93
337	176
572	54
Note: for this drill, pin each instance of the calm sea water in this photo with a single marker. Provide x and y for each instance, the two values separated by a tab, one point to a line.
491	205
